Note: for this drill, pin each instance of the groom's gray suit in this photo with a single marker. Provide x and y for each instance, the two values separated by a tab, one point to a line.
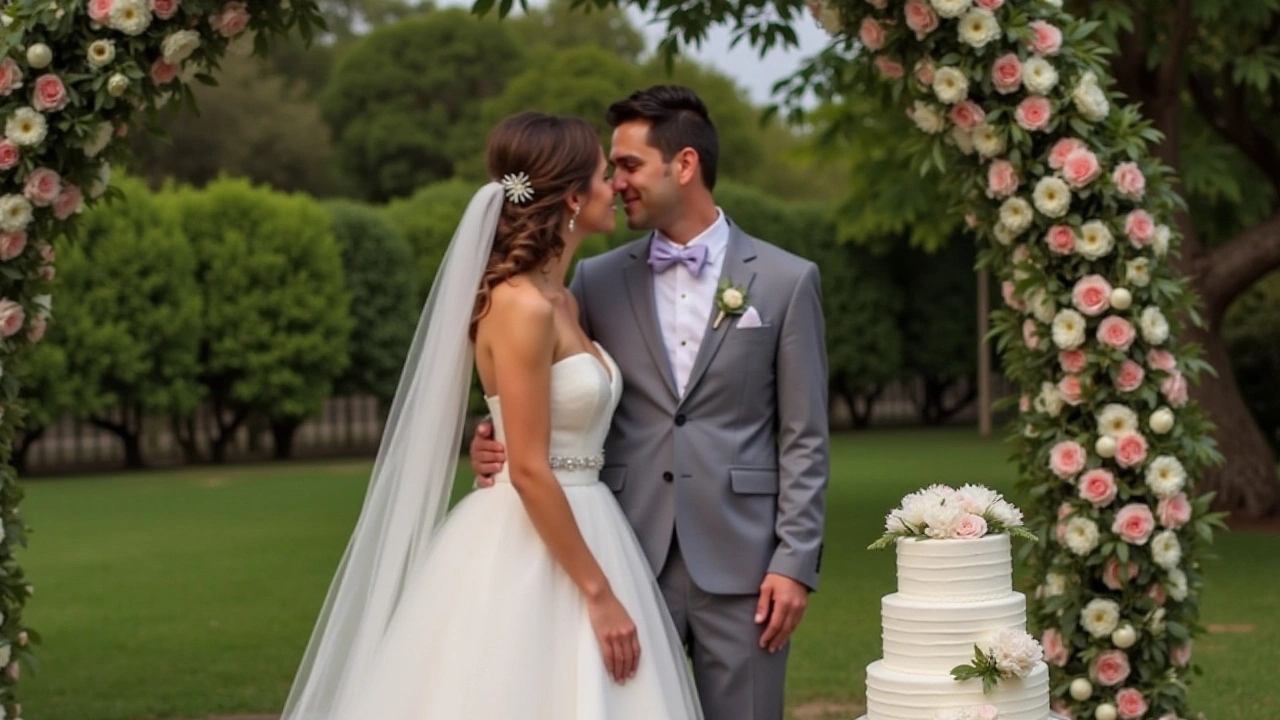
725	483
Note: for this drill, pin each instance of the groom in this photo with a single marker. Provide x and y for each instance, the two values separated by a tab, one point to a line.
718	449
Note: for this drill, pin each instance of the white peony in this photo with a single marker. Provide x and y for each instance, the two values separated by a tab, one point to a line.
913	509
979	27
1115	420
950	85
1003	234
1055	584
1069	328
179	45
893	523
988	141
26	127
1049	401
1039	75
1160	240
15	215
1080	536
928	118
1041	305
1016	214
1052	197
1100	617
1006	513
1176	585
1095	240
963	139
131	17
1166	476
1089	98
1138	272
1016	653
1155	329
977	499
101	53
940	520
951	8
1166	551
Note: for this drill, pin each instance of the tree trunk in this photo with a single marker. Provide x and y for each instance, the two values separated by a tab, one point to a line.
184	433
20	449
283	431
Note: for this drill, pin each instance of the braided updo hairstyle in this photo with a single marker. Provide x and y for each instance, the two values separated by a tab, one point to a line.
559	155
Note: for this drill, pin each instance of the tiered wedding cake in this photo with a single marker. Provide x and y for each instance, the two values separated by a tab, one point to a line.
955	610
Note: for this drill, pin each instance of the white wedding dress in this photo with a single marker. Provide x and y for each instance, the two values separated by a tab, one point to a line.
492	628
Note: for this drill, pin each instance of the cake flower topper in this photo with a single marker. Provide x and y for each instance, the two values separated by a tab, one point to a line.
944	513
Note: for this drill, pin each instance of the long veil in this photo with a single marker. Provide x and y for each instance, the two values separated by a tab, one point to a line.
409	490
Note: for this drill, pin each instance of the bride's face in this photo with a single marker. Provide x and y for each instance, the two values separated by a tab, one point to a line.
598	214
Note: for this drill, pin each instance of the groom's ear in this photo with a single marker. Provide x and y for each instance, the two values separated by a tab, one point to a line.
688	166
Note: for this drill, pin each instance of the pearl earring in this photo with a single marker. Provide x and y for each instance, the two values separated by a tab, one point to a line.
573	220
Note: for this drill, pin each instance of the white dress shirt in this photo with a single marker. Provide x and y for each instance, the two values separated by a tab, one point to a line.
685	302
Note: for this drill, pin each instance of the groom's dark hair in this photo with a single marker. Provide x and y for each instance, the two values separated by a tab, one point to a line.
678	120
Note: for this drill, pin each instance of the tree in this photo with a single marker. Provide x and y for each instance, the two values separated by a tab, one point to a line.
377	263
1252	332
277	316
427	221
558	26
128	321
404	102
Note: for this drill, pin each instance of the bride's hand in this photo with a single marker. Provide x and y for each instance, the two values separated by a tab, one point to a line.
616	633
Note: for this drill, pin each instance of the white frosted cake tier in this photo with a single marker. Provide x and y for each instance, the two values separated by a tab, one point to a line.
893	695
932	638
945	571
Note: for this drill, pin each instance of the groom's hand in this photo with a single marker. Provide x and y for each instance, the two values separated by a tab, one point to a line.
782	605
487	455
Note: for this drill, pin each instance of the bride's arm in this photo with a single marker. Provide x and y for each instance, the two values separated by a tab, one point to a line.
524	321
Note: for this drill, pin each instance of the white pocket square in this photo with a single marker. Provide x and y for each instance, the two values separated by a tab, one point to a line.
750	319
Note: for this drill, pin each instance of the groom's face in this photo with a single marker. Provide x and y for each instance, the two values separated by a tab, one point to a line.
642	179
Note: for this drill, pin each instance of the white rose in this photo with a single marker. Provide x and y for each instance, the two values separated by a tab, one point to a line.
118	85
1100	617
178	46
1155	329
1105	447
26	127
950	85
98	141
1052	197
927	117
1177	585
1160	241
1081	536
1124	637
1121	298
39	56
963	139
1105	711
1115	420
1166	476
15	215
1003	234
1081	689
1042	307
131	17
1049	401
732	298
1068	329
1161	421
1138	272
1055	584
979	27
951	8
1089	98
1166	551
1039	75
1156	622
101	53
1095	240
988	141
1016	214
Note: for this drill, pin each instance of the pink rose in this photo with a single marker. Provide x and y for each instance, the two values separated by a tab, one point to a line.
921	18
1055	652
1161	360
1174	389
1131	704
1181	655
11	317
1061	239
1139	226
234	18
971	220
1010	299
1024	404
162	73
1072	361
871	33
889	67
36	333
1006	74
164	9
1069	389
1131	450
1130	376
42	186
12	244
100	10
1061	708
924	72
1091	295
69	202
1158	594
46	252
1134	523
47	272
1066	459
1116	332
10	76
1033	113
1111	573
1065	510
1174	511
9	155
992	5
50	95
1063	148
1046	39
969	527
1030	336
1098	487
1002	179
1110	668
1129	180
1080	167
968	115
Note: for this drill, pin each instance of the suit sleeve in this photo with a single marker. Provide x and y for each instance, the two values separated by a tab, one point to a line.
803	438
577	286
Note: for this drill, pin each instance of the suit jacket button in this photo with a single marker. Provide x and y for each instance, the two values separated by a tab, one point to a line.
668	476
680	420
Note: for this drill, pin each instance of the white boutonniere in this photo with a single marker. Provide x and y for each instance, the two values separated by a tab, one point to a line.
730	300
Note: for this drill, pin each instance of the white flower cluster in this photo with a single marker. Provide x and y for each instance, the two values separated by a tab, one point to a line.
942	512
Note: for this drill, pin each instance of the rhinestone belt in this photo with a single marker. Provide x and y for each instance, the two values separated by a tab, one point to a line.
577	462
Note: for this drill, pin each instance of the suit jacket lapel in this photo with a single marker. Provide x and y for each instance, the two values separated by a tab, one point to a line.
740	252
639	281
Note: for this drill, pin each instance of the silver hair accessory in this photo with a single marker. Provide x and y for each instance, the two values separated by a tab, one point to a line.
517	187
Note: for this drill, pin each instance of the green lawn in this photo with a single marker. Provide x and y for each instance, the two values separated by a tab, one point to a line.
181	594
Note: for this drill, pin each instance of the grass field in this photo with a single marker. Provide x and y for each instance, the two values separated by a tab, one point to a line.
183	594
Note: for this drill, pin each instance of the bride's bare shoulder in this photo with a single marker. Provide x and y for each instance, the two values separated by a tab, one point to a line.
518	305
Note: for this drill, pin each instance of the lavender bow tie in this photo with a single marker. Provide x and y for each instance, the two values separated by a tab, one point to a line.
662	256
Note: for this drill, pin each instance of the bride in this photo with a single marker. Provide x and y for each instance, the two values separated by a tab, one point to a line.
531	600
